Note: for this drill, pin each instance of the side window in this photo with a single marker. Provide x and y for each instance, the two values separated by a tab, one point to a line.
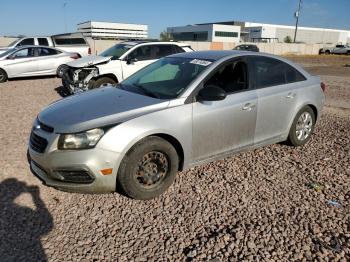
159	51
178	49
26	41
26	52
43	41
273	72
46	52
141	53
231	78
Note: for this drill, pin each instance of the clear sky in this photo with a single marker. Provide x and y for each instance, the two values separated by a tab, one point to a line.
46	17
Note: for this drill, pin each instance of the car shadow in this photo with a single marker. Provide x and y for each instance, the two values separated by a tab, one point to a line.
62	91
21	227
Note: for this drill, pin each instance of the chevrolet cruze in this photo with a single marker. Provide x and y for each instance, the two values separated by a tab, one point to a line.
181	111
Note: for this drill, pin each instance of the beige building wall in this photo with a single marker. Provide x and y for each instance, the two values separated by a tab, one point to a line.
5	41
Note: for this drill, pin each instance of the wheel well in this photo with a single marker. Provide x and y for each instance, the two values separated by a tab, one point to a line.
314	109
176	144
109	76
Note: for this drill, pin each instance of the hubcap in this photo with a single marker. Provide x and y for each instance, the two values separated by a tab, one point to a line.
152	169
2	76
304	126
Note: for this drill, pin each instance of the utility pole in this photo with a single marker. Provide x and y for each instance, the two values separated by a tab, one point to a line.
297	13
65	18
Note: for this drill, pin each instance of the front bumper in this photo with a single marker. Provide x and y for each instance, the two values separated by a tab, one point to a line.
75	83
49	165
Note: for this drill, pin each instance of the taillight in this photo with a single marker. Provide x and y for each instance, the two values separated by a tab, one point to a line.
323	87
74	56
89	51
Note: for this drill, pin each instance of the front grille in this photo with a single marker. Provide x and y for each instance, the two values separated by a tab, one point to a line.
76	176
46	128
38	143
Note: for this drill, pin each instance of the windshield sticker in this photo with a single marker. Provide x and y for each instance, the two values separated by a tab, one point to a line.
200	62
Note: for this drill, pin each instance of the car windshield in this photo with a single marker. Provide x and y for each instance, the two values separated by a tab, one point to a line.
6	53
166	78
116	51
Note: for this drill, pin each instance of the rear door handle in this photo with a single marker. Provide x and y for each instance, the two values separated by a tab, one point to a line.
290	95
248	107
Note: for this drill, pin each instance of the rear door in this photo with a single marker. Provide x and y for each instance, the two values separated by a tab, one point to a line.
47	60
277	85
229	124
22	63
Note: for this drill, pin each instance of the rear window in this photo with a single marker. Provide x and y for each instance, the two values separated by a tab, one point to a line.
70	41
272	72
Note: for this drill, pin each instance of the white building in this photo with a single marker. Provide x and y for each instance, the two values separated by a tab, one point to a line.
206	32
108	30
259	32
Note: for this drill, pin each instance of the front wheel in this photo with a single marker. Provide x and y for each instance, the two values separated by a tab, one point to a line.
61	70
148	169
103	81
302	127
3	76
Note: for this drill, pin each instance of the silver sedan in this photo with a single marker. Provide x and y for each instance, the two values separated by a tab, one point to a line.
181	111
33	61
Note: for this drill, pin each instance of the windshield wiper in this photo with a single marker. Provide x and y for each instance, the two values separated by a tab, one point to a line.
146	91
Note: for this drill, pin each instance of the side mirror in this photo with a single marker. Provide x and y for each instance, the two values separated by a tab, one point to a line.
211	93
131	61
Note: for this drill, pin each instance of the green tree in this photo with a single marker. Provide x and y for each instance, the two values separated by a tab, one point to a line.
165	36
287	39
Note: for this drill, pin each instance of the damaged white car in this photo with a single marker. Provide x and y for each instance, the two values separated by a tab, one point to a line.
116	63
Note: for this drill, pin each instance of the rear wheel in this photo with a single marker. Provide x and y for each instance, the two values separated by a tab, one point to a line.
3	76
103	81
302	127
327	52
148	169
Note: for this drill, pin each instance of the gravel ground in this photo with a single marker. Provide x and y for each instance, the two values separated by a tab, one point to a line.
252	206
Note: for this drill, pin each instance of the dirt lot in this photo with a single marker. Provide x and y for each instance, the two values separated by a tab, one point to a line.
251	206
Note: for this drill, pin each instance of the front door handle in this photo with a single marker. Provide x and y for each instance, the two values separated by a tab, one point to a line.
248	107
290	95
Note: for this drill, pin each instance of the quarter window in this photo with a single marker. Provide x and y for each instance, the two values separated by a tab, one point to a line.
272	72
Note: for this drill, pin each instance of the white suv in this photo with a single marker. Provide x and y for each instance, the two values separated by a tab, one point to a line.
116	63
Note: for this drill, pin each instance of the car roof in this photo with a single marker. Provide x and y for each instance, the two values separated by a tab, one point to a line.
209	55
139	42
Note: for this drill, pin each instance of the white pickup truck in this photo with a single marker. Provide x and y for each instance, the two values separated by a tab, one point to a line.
73	43
338	49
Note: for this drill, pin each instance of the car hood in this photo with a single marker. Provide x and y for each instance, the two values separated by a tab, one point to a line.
97	108
89	61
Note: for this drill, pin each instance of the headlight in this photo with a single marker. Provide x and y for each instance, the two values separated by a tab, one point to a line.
83	140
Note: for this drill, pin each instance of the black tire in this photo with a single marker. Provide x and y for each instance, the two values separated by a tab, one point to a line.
103	81
327	52
132	185
3	76
348	53
292	137
61	70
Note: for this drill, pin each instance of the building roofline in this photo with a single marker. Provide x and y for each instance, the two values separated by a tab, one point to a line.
109	22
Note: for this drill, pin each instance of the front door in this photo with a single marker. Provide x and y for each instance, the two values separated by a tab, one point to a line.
137	59
22	63
229	124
